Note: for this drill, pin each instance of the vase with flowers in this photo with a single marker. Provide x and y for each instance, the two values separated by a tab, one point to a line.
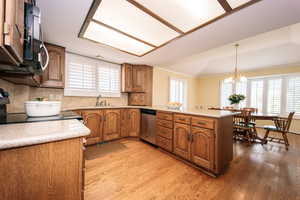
235	100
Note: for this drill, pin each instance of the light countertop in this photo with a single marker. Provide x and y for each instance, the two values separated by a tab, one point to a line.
198	112
25	134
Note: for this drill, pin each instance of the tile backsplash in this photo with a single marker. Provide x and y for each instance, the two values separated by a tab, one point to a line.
21	93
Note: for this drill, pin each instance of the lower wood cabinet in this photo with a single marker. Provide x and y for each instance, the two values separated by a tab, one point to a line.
130	122
181	140
45	171
111	126
93	119
202	147
194	144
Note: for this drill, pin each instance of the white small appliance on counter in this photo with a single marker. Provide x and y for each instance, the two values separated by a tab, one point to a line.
42	108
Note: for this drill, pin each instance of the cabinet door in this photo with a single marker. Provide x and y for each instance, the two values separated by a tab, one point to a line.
93	119
134	119
124	123
137	99
111	129
126	78
14	28
202	147
181	145
53	76
138	79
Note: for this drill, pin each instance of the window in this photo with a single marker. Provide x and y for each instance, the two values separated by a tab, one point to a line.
178	91
293	95
227	90
91	77
274	96
257	94
278	94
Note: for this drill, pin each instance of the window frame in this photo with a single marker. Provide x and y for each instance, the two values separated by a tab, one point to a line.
81	92
283	99
185	90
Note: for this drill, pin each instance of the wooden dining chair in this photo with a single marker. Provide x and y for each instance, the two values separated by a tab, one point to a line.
282	125
242	127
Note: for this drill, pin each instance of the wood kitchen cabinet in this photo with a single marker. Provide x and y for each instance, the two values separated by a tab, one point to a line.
11	31
53	170
181	145
54	74
130	122
111	126
202	147
94	119
137	81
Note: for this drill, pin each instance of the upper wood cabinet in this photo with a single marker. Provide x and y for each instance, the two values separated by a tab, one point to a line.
112	122
54	76
203	147
11	31
93	119
139	79
181	146
130	122
126	78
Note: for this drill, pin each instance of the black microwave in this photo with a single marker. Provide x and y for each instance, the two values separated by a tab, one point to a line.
36	57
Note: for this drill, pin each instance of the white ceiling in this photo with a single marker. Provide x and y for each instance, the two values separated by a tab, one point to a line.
194	54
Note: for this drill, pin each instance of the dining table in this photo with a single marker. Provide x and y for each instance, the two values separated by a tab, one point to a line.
255	116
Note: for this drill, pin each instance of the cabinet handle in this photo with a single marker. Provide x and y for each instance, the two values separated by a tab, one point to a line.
201	123
182	119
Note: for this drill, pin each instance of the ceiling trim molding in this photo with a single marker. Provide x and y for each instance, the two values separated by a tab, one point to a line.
225	5
119	31
175	72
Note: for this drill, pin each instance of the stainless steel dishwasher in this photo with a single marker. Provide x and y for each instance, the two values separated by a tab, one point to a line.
148	125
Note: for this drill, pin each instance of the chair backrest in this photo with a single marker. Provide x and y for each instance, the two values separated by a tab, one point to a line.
244	118
284	124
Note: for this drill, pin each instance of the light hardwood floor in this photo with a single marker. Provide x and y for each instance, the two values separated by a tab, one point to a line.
133	170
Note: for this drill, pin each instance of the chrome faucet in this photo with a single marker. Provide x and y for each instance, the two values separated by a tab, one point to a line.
97	101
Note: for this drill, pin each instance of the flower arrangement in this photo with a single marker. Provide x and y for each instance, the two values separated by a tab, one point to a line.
236	98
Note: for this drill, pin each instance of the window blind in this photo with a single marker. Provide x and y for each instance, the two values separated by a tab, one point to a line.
293	95
257	94
274	96
90	77
109	79
81	76
226	91
177	91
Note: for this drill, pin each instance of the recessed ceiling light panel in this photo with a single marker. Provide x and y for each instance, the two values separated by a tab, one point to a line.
102	34
185	14
124	16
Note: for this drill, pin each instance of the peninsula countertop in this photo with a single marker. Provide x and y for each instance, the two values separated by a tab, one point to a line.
25	134
198	112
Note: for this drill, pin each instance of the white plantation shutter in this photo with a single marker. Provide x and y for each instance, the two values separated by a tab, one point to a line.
109	79
241	88
89	77
257	89
82	76
293	95
226	91
178	91
274	96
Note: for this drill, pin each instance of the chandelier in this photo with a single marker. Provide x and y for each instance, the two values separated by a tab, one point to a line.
236	77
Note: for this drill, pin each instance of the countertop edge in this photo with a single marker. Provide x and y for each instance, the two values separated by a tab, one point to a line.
41	139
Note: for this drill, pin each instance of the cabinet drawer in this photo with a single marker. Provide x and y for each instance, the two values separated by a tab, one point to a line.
164	132
184	119
165	116
164	123
203	122
164	143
